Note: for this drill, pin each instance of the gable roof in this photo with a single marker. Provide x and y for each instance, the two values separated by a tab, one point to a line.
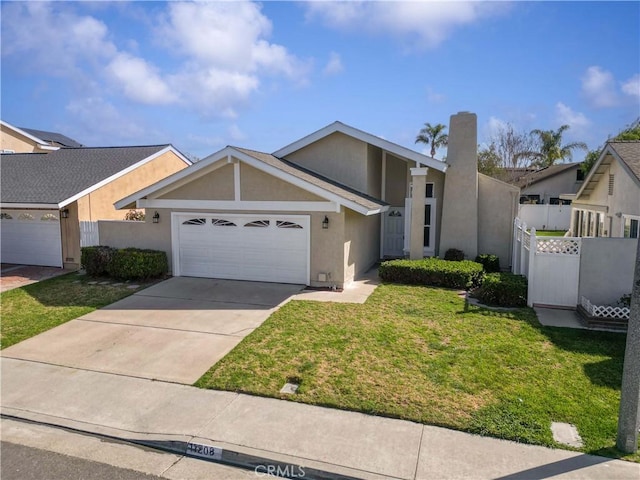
52	137
391	147
536	176
627	152
59	178
279	168
42	145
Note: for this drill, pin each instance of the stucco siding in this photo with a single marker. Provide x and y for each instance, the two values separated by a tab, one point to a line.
361	243
564	182
396	181
10	140
337	156
374	171
438	179
216	185
70	228
625	198
497	207
256	185
125	234
101	200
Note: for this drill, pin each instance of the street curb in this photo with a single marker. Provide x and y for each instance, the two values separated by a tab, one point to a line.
261	465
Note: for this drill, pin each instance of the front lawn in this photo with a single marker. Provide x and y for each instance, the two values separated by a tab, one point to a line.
550	233
33	309
419	354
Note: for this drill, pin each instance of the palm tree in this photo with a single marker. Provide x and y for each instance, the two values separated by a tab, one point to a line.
551	149
433	135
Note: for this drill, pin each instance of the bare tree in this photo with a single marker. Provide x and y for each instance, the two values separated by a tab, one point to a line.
510	149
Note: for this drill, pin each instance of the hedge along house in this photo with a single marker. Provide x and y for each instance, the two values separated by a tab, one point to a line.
46	197
321	210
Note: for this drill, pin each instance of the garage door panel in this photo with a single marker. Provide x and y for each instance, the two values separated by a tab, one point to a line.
31	237
243	247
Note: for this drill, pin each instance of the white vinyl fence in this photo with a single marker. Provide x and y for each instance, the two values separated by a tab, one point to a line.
551	265
546	217
89	234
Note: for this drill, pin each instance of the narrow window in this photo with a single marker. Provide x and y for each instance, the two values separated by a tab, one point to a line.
257	223
218	222
195	221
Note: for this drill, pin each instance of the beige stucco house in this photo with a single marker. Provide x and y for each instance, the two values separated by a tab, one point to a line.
323	209
48	199
27	140
608	203
545	186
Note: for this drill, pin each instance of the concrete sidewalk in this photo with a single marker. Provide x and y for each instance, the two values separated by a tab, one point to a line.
344	443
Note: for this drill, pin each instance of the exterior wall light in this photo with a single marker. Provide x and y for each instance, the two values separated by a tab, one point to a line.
156	217
325	223
64	213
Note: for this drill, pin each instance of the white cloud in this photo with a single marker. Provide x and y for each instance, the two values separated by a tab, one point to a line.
53	40
215	54
139	80
419	23
334	65
565	115
599	87
632	86
102	123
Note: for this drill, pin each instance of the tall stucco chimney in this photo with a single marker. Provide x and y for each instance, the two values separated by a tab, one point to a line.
459	228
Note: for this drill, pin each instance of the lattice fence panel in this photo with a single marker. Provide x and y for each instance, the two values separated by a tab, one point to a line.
605	311
559	246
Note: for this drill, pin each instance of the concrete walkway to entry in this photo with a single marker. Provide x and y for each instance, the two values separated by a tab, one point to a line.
173	331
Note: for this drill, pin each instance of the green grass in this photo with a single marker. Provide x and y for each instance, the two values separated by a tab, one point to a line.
550	233
33	309
420	354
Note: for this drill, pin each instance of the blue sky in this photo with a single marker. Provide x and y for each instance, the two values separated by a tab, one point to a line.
205	75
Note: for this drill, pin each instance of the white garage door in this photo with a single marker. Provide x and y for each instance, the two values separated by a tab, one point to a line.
263	248
31	237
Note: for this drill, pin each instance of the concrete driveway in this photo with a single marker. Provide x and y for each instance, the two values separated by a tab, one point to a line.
173	331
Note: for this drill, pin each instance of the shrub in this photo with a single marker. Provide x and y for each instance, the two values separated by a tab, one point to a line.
491	263
95	260
135	215
503	290
454	255
134	263
433	271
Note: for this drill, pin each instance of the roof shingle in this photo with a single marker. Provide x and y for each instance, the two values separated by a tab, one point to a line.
629	152
59	175
53	137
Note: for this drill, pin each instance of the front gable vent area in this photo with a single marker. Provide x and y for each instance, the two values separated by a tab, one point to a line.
611	183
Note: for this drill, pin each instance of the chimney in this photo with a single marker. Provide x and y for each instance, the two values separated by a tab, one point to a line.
459	228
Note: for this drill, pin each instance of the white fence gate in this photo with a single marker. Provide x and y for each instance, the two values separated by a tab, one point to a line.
551	265
89	234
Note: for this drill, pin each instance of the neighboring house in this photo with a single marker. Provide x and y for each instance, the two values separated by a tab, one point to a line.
545	186
608	203
322	209
47	197
28	140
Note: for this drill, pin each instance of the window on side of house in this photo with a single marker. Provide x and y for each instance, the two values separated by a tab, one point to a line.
630	226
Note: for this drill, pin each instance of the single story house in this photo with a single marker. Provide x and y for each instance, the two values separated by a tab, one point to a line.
28	140
45	198
321	210
608	203
544	186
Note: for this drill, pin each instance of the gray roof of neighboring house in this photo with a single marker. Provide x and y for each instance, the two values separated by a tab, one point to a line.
629	153
51	178
544	173
53	137
332	186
